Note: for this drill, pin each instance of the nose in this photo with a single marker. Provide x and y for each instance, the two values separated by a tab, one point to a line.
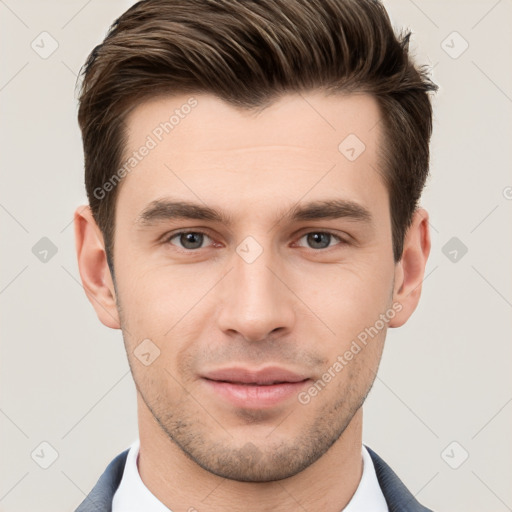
256	300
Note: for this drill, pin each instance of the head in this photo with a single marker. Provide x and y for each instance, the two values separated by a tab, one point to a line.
300	132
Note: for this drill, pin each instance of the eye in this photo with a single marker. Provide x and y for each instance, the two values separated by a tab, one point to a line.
320	239
194	240
189	240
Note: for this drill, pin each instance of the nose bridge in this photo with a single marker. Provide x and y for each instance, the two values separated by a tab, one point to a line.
255	301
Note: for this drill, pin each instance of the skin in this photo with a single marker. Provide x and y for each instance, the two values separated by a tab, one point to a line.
297	305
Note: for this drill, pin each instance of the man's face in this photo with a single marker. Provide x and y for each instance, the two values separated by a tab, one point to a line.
247	316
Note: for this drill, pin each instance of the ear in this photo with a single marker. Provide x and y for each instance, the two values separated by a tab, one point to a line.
94	272
410	270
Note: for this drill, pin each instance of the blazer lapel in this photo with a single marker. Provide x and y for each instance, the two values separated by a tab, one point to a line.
101	496
398	497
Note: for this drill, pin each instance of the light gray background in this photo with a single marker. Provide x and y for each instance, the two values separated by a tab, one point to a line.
445	376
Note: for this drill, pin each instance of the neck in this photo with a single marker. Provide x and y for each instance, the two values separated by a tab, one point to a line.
179	483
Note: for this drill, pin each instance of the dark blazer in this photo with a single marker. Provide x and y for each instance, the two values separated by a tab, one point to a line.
398	497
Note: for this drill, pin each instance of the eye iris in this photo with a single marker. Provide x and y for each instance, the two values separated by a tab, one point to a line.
315	239
194	239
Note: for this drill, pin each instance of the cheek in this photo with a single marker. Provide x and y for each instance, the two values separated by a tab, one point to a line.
154	301
348	298
164	307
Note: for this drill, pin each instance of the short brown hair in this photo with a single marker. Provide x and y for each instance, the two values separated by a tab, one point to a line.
248	53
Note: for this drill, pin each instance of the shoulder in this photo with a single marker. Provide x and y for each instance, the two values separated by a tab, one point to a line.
398	497
101	495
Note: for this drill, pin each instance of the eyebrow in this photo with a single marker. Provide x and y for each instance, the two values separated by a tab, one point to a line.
165	210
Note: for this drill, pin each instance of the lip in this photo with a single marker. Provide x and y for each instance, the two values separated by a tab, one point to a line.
255	389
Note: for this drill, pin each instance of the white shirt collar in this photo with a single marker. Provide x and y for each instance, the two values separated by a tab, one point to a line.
133	496
368	495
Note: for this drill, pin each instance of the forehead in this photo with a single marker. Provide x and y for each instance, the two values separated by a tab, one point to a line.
200	147
311	121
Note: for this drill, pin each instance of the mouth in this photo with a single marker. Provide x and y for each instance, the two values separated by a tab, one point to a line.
255	389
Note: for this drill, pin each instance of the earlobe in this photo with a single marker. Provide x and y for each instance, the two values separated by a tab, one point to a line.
94	272
410	270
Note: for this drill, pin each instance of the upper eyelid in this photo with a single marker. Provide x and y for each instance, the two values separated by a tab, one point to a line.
172	234
339	237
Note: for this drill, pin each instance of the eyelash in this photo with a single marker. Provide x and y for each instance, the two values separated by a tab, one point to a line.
169	237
